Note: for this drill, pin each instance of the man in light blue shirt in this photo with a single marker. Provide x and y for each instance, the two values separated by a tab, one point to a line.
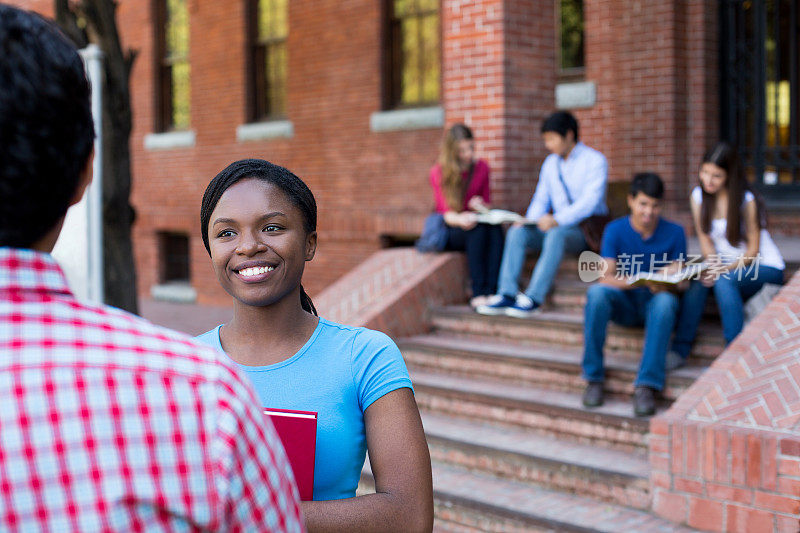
571	188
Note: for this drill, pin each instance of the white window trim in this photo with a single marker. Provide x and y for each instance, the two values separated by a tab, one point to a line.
576	95
170	140
258	131
419	118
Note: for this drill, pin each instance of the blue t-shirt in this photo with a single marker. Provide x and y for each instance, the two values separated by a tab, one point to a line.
338	373
633	254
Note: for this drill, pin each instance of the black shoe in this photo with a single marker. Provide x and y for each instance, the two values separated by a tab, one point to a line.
644	401
674	361
593	395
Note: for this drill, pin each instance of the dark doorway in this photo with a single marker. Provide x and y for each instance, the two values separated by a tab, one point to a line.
760	63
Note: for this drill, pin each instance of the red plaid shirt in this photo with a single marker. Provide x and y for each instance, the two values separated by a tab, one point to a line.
109	423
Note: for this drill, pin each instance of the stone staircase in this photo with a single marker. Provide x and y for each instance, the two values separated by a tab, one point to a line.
512	447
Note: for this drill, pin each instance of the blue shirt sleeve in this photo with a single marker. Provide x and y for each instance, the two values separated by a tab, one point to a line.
378	367
540	203
608	245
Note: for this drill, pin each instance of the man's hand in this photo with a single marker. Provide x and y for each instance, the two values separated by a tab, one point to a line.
546	222
655	288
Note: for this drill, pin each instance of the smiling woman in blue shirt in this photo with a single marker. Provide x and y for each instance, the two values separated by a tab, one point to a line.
259	225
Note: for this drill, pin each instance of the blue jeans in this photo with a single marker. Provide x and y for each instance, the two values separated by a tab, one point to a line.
634	307
552	246
730	291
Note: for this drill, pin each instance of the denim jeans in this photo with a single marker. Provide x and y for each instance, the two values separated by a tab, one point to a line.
551	244
730	291
634	307
483	245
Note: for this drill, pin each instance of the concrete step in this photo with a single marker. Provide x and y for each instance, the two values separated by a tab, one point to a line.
568	269
549	367
467	501
517	454
545	412
557	328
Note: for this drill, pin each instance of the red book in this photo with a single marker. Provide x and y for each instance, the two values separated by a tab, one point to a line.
298	433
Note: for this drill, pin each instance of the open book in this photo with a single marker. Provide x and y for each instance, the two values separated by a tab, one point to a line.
689	271
500	216
298	433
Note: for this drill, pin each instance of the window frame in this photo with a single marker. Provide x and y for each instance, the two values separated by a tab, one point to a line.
392	60
169	262
570	73
257	83
162	75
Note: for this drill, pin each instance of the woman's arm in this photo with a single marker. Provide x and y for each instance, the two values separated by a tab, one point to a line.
706	244
482	201
752	236
401	465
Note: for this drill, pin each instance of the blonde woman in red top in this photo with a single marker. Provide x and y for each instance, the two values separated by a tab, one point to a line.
461	189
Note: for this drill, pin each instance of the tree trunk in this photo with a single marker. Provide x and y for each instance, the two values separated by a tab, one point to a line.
99	17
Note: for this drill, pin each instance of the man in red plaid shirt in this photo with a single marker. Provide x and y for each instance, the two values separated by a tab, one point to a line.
107	422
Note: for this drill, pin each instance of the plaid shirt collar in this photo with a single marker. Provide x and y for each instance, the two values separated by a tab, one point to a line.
23	270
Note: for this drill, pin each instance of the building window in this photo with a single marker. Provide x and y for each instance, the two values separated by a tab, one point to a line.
173	254
413	53
571	37
173	89
268	30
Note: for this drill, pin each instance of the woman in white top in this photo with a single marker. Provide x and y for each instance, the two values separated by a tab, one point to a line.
731	228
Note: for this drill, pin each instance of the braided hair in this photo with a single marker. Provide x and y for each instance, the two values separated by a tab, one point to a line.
293	187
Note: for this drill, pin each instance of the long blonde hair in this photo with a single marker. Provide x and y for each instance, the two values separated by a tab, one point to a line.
453	185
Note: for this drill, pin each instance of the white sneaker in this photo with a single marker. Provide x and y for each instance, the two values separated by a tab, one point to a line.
523	307
497	305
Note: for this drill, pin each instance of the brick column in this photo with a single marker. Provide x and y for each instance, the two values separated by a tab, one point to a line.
498	77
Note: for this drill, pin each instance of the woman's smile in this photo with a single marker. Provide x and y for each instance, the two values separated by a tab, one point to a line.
253	273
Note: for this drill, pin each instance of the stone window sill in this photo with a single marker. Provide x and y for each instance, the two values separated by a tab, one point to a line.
576	95
169	140
259	131
407	119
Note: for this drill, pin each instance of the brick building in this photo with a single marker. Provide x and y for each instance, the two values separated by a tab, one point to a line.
353	96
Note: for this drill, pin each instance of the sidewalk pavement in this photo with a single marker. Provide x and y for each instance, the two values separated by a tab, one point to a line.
188	318
195	319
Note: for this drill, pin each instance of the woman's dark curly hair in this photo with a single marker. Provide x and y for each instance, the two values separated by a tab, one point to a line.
293	187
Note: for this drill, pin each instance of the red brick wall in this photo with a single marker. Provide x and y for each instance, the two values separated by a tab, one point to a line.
726	456
365	183
499	78
654	65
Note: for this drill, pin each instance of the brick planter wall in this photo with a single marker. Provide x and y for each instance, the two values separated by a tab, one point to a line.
726	456
392	290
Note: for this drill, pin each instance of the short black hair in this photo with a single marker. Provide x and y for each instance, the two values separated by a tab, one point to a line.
561	122
648	183
46	128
